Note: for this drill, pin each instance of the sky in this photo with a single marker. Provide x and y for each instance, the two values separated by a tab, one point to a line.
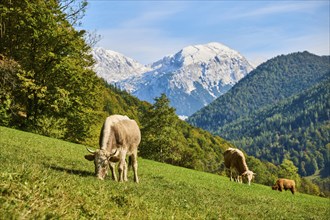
260	30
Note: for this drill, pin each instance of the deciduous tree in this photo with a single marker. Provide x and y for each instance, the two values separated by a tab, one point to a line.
57	80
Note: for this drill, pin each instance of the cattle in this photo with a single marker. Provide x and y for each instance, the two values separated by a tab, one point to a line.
235	161
285	184
118	138
105	146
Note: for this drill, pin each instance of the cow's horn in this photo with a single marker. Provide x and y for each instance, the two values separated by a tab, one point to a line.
90	151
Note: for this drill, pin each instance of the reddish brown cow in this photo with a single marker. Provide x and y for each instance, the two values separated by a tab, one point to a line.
285	184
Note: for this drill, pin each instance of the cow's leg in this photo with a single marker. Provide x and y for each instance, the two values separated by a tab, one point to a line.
135	166
280	188
121	167
292	190
239	179
113	171
125	172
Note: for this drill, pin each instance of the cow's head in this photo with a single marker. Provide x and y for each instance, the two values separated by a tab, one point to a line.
249	175
101	160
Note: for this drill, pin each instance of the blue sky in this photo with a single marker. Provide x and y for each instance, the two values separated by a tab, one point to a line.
148	30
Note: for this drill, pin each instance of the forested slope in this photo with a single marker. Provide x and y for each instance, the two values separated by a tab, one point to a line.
271	82
297	128
279	111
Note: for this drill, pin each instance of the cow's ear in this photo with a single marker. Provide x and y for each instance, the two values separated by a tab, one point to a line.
90	157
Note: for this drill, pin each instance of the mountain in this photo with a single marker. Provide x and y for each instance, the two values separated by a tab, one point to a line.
191	78
114	67
272	81
280	110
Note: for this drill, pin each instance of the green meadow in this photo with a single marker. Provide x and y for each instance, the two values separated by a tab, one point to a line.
45	178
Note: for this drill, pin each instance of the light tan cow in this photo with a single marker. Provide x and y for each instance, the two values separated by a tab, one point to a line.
118	139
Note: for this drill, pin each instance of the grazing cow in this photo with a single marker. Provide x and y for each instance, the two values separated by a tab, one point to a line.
104	143
117	140
235	161
285	184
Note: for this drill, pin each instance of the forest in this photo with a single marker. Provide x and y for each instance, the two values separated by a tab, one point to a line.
297	129
279	111
48	87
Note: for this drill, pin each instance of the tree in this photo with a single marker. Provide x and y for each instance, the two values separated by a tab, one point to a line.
309	187
265	172
289	170
325	172
8	88
162	141
57	80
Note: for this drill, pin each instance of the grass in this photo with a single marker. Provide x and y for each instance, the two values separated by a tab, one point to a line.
45	178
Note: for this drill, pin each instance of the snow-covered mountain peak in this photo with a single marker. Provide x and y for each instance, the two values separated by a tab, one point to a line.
113	66
204	53
191	78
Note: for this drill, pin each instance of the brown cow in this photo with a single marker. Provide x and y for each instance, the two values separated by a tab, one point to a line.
235	161
117	140
285	184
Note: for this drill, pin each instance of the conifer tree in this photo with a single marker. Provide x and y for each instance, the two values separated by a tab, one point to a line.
161	138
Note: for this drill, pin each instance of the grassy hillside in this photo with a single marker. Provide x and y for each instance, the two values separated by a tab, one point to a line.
42	177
